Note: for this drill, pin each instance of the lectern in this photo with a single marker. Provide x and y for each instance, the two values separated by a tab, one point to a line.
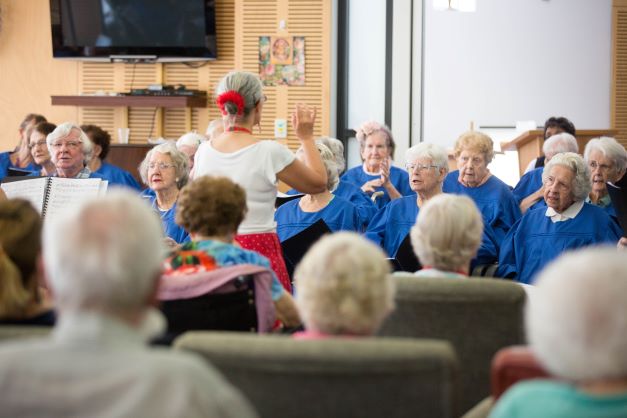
529	144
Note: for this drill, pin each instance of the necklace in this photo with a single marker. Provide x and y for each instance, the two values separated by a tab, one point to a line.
240	129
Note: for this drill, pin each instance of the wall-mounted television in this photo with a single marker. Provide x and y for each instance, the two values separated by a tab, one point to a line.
133	30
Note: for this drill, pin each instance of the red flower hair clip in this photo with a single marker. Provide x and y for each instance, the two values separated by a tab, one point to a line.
231	96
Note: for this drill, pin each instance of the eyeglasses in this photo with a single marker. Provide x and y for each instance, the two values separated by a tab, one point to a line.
68	144
161	166
558	185
37	144
603	167
419	167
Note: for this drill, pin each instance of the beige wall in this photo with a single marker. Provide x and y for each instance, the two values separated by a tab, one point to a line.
28	74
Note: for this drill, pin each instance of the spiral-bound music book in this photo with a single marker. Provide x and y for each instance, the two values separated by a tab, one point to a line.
49	195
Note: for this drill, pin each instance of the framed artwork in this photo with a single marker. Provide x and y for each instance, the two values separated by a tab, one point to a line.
282	60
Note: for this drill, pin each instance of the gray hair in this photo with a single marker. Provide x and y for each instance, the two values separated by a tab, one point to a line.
344	286
191	139
328	159
435	153
558	143
371	127
62	131
448	232
611	149
179	159
248	85
104	254
581	182
576	318
337	148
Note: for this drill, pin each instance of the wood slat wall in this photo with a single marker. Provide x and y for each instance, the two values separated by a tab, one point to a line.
619	70
239	24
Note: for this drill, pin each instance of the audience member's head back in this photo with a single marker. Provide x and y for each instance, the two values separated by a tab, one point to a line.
577	316
448	232
211	206
104	255
337	148
344	287
20	246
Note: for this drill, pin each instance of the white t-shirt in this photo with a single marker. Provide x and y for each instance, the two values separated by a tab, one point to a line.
254	168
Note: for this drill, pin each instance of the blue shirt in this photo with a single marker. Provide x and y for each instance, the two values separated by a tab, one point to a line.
535	240
390	226
117	176
398	177
530	183
553	399
494	199
339	215
5	164
224	255
365	206
170	227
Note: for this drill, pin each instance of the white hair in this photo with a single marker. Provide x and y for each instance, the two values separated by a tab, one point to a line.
581	182
191	139
562	142
577	316
337	148
104	254
344	286
328	159
448	232
179	159
611	149
435	153
62	131
247	84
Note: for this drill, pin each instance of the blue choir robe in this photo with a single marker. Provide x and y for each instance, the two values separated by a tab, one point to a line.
529	184
494	199
535	240
339	215
365	206
390	226
5	164
117	176
398	177
170	227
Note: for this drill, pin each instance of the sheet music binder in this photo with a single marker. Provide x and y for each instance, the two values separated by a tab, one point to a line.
51	194
405	259
295	247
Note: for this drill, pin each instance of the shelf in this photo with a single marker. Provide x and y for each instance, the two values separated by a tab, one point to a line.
130	101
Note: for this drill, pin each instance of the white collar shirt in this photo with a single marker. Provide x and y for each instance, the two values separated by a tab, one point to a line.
570	213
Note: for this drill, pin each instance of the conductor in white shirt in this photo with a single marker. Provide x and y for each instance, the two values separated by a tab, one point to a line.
102	260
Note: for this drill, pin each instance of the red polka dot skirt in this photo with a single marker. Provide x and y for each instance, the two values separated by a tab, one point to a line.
268	245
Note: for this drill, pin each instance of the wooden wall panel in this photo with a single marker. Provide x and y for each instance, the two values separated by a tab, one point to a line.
239	24
619	70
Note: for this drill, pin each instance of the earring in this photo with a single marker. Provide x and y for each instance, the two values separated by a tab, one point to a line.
176	179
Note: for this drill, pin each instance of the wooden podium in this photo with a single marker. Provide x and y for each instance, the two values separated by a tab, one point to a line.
529	144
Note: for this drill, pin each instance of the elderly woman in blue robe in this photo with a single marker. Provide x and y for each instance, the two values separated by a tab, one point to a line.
427	165
542	234
607	161
498	207
377	176
529	191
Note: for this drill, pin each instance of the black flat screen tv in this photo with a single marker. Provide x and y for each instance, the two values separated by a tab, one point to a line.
133	30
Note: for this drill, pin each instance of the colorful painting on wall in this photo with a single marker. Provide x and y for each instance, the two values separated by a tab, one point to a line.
282	60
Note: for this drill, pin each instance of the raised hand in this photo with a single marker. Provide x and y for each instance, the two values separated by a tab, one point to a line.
384	169
371	186
303	120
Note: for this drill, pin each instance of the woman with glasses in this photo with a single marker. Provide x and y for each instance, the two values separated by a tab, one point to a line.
427	165
607	160
377	176
258	165
498	206
39	148
20	158
71	150
164	170
542	234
